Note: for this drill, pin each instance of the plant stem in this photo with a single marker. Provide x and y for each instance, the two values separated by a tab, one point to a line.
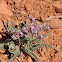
19	45
19	42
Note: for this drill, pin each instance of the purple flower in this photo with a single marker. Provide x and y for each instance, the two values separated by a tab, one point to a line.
24	29
31	18
43	25
36	25
49	28
17	34
21	34
14	30
33	29
15	37
41	37
31	24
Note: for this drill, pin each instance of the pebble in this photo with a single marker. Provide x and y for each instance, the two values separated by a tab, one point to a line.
55	23
58	6
4	9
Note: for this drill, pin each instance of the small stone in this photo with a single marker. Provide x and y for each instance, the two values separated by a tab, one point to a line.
4	9
55	23
58	6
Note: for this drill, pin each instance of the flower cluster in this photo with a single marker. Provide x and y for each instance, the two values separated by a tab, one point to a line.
17	34
43	25
26	39
31	29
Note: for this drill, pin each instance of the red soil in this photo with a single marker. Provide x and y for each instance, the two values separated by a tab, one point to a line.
18	10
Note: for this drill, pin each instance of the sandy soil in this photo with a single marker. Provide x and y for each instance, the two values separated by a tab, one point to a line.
18	11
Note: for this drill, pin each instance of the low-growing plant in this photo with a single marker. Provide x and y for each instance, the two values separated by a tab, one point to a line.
26	39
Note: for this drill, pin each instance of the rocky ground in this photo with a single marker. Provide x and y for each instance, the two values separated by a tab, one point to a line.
18	11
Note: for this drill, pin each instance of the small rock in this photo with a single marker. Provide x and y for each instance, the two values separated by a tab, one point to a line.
58	6
55	23
4	9
29	59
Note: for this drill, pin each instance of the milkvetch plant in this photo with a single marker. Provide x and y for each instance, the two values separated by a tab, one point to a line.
26	39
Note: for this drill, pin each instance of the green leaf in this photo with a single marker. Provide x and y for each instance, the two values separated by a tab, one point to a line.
39	40
12	58
35	57
29	38
45	35
31	54
44	28
5	25
2	46
38	45
14	50
12	27
12	24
